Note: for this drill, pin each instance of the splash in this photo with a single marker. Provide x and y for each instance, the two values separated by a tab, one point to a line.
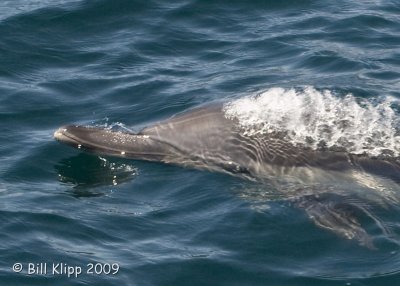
322	119
113	126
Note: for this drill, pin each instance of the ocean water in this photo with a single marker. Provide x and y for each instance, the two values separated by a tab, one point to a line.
309	66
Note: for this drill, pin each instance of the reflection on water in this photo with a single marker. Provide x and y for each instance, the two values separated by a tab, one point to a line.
85	172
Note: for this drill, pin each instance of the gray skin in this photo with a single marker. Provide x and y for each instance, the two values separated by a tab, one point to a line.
204	138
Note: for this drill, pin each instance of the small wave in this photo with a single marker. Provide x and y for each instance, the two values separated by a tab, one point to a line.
118	126
322	119
12	8
113	126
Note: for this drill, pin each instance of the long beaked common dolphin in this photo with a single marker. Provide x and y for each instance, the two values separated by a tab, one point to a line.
205	138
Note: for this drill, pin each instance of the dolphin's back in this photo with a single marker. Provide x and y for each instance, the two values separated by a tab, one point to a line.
202	128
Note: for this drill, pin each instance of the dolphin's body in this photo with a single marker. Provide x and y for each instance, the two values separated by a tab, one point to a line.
204	138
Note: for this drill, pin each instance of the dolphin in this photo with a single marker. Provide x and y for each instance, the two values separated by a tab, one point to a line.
204	138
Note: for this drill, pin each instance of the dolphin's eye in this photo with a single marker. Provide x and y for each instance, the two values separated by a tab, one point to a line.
235	168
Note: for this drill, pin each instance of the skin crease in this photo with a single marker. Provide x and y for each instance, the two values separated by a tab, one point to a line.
204	138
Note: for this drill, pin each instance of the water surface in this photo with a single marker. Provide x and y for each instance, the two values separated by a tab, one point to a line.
134	62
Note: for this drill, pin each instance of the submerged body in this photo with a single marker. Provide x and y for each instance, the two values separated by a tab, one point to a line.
205	138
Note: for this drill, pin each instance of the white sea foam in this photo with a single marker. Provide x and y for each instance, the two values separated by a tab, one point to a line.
322	119
113	126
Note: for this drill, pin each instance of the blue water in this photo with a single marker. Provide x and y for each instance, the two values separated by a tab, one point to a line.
136	62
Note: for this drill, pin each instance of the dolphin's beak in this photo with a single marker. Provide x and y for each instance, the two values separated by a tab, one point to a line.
63	135
59	133
113	143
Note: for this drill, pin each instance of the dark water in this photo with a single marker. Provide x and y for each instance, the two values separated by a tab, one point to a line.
133	62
